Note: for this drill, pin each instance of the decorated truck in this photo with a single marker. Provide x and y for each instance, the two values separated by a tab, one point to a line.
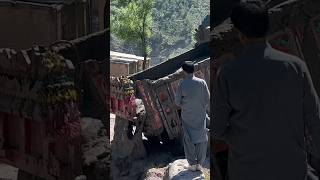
294	30
156	88
43	97
144	106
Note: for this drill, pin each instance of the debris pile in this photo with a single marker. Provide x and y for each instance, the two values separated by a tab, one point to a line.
177	170
95	148
128	151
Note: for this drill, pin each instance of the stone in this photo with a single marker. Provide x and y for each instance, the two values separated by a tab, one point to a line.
177	171
156	174
96	149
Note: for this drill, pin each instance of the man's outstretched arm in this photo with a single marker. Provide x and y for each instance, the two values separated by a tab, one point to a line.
220	108
311	112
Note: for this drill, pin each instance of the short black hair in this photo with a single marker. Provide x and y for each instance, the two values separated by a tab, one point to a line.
188	67
251	19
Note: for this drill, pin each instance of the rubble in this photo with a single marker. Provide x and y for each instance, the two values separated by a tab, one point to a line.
128	151
8	172
156	174
96	148
177	171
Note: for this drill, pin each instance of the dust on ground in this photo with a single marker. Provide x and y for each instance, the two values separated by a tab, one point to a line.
143	160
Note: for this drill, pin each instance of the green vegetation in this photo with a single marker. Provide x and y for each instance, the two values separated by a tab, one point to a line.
132	22
172	26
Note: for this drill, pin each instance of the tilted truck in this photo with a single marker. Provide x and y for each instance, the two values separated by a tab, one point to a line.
156	88
44	94
144	103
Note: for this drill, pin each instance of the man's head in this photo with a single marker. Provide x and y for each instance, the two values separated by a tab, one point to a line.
188	67
251	20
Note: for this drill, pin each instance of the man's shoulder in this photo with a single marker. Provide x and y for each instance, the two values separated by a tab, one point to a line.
199	79
274	54
286	59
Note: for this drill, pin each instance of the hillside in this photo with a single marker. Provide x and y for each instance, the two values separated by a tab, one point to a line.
174	24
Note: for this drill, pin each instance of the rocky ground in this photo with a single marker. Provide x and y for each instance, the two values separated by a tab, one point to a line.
96	149
177	171
138	159
8	172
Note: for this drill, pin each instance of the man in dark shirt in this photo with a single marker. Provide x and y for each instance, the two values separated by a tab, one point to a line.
262	103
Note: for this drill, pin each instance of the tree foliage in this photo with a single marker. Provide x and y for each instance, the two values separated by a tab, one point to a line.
132	22
174	22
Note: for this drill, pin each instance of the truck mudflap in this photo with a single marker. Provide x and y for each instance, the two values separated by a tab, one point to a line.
158	98
39	117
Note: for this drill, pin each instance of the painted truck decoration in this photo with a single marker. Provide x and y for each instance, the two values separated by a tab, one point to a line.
286	41
40	130
39	118
122	98
158	99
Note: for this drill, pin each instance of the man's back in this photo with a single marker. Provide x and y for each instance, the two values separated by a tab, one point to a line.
193	92
263	91
193	98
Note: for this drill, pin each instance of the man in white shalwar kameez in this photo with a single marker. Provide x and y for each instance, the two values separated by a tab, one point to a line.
192	97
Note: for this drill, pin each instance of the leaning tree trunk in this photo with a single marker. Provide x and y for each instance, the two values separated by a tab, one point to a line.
145	53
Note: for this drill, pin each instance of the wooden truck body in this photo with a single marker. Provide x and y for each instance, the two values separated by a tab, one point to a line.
43	96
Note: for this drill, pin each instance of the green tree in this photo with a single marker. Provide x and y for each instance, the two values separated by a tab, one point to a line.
131	21
174	26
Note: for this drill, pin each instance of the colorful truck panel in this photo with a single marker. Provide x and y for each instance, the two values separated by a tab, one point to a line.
159	99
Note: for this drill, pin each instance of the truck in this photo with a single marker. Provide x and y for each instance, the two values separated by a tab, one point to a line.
156	88
46	91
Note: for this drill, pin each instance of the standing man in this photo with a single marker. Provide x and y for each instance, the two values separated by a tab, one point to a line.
262	102
192	97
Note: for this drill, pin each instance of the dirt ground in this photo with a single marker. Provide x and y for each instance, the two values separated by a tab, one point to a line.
141	160
8	172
